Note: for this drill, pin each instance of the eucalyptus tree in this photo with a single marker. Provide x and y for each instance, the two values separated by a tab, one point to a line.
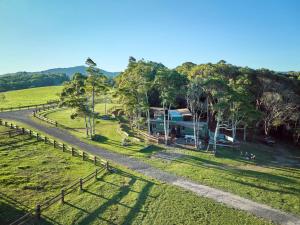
278	110
170	84
96	84
134	87
242	111
217	93
74	95
196	101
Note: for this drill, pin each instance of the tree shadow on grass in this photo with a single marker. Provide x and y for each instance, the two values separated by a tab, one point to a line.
290	190
12	141
205	163
14	146
121	192
149	150
12	209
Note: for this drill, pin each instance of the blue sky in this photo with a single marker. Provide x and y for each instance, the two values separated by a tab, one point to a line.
42	34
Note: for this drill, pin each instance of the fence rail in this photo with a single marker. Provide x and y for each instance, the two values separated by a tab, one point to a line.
36	106
148	136
36	114
56	144
65	148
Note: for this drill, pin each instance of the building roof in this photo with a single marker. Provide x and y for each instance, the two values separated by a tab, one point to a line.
184	112
175	113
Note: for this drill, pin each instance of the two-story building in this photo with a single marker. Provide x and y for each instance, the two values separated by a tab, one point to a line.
180	122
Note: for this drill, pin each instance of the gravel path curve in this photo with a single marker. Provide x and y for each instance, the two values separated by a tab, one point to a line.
226	198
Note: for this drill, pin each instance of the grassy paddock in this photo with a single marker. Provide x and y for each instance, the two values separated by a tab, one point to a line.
31	172
31	96
262	180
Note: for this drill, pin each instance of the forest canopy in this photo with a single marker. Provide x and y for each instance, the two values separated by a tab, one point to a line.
23	80
262	99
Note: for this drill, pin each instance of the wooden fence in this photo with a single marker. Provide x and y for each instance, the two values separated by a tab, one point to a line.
29	106
56	144
36	114
147	136
36	213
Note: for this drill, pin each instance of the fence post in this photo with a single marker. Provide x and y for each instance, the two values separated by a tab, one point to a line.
5	123
11	126
95	160
96	174
37	136
62	196
63	147
80	184
72	151
38	212
107	165
23	130
45	139
82	155
54	142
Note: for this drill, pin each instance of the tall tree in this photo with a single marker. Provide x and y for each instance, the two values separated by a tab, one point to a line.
196	101
170	84
74	96
96	84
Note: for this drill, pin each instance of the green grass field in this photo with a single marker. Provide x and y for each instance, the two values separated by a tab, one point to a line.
31	172
262	181
31	96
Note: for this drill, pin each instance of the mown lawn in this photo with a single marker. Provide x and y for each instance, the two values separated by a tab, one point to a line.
261	180
31	172
108	135
31	96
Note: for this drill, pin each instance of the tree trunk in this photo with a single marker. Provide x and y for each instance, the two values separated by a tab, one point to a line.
245	127
266	128
93	111
148	114
216	134
233	131
165	125
207	111
148	121
168	122
90	126
86	126
195	131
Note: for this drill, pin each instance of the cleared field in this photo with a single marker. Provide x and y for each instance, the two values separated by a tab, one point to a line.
31	96
264	180
31	172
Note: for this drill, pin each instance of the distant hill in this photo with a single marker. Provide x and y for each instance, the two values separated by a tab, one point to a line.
69	71
77	69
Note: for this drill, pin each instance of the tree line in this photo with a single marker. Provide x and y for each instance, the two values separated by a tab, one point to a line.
226	96
23	80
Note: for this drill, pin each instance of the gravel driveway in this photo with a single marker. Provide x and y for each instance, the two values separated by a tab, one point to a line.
226	198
